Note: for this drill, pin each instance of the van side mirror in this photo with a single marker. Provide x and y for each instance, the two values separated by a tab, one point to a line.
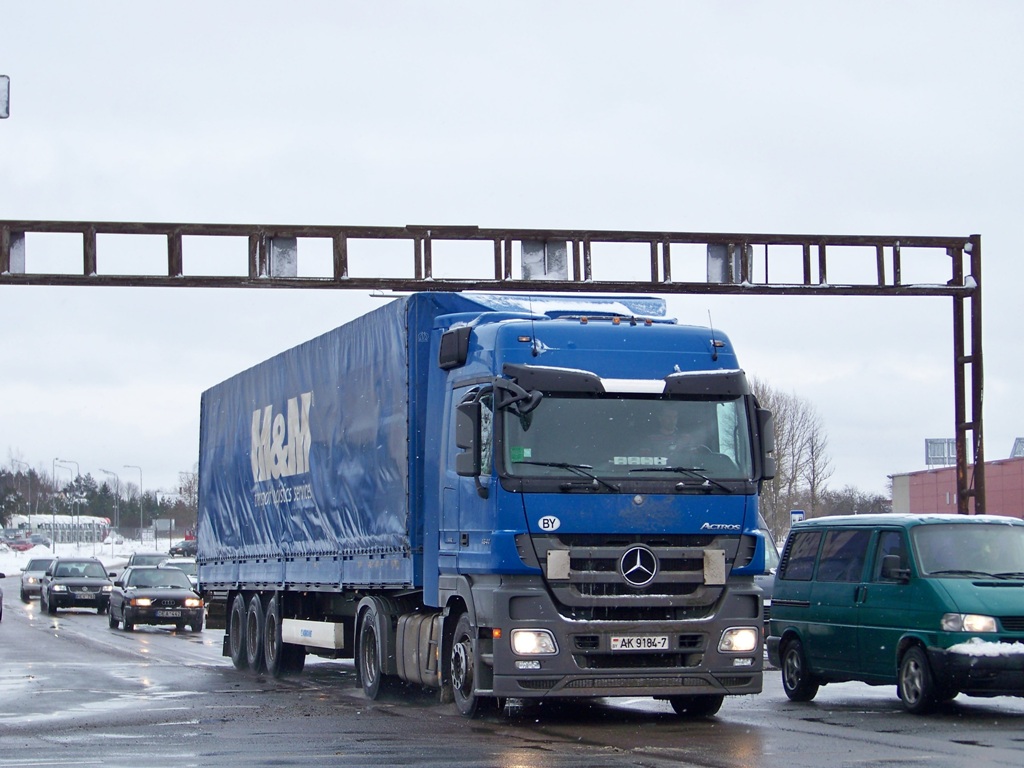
891	570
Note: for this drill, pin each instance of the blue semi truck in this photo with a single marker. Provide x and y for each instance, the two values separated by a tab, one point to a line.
498	496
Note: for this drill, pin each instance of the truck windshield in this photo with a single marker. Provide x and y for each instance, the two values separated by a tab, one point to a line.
638	438
970	550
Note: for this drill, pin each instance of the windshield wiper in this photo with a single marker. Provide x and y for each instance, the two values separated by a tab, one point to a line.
963	572
1010	575
580	469
695	472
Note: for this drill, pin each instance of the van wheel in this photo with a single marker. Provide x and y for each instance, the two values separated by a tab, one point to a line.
797	680
916	687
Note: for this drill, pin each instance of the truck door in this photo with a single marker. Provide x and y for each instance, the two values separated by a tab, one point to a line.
465	527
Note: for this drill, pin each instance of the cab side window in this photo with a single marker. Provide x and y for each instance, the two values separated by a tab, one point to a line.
889	543
798	562
843	555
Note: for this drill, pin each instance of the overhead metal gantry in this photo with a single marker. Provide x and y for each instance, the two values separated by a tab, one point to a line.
416	258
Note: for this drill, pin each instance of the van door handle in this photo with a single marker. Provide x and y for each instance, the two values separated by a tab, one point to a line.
860	595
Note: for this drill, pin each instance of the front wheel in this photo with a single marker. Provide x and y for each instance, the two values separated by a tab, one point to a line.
697	706
112	620
797	680
25	598
916	687
463	664
50	607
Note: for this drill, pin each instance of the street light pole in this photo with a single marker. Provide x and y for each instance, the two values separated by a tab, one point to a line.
117	502
142	516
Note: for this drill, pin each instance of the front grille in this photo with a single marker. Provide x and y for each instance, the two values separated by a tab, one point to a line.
1012	623
595	579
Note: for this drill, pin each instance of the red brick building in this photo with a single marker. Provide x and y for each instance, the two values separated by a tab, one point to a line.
934	490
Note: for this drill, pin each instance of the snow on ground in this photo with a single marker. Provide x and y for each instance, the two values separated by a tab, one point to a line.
113	553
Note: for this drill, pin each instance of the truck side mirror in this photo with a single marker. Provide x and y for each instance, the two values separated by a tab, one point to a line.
454	349
467	437
766	431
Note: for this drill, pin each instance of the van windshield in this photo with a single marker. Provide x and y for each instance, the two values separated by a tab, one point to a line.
970	550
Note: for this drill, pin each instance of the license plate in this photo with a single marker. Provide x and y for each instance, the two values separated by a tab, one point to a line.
168	614
84	596
640	643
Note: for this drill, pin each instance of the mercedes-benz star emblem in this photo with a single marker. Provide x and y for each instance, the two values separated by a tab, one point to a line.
638	566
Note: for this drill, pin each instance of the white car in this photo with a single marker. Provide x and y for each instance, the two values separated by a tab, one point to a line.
31	576
186	564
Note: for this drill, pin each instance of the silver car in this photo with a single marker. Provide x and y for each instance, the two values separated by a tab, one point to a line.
31	575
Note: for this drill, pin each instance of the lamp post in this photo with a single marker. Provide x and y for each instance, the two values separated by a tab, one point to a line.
142	517
74	498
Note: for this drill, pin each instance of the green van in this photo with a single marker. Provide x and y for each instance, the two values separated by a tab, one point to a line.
932	603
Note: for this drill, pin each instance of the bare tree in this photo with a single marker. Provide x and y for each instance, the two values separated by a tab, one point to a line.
802	464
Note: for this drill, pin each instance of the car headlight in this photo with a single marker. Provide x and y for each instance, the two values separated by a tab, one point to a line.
60	588
193	602
107	588
31	580
739	640
533	642
141	602
968	622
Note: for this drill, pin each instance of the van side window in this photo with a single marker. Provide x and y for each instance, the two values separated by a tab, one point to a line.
843	555
889	543
798	563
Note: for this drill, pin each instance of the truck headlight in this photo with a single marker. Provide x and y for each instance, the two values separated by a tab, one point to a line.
533	642
968	622
739	640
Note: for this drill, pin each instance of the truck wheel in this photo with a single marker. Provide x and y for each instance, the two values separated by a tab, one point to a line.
236	632
797	680
254	620
916	687
273	648
696	706
369	653
463	663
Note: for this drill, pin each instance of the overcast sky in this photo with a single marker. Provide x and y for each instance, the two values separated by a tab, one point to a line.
899	118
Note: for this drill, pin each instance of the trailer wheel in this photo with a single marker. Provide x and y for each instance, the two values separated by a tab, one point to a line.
254	621
236	632
369	653
274	651
294	659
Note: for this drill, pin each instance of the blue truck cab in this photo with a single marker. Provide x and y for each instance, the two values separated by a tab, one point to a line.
500	496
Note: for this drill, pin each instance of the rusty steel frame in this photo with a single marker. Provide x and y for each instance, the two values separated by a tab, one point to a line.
963	286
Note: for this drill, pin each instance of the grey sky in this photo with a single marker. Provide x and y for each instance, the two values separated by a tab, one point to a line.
867	118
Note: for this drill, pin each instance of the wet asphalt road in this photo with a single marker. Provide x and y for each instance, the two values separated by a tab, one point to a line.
74	692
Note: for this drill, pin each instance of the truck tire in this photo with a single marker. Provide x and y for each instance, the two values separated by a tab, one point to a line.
697	706
274	651
463	668
236	632
369	649
294	659
254	621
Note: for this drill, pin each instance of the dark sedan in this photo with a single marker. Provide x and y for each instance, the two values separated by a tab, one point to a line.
155	595
75	582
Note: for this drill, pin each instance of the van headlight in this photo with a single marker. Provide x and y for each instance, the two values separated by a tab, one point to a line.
968	622
739	640
533	642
